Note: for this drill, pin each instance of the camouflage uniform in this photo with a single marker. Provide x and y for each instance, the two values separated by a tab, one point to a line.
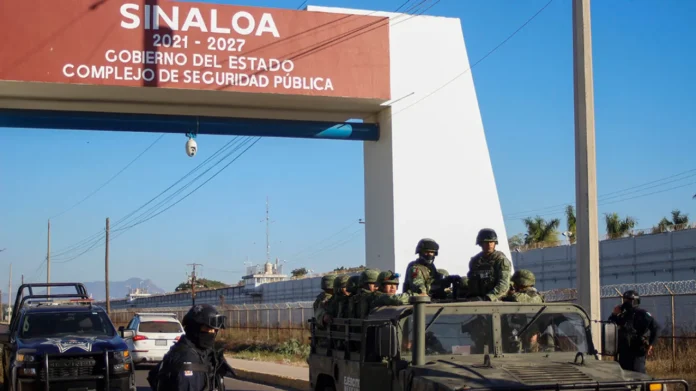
385	299
343	310
489	274
421	273
333	305
359	303
322	300
523	281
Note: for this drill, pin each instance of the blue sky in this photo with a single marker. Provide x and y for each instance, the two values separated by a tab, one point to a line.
644	99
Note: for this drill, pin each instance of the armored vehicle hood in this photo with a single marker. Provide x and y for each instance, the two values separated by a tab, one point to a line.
458	373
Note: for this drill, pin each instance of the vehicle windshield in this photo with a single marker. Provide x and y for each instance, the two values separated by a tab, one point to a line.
452	332
76	323
547	332
160	327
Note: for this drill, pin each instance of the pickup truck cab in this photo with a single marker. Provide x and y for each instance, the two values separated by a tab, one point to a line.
63	341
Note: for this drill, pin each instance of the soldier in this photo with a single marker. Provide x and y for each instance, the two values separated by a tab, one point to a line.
634	325
340	293
489	270
323	298
388	283
421	273
358	304
523	290
351	289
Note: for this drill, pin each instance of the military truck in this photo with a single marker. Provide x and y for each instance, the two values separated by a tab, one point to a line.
62	341
428	346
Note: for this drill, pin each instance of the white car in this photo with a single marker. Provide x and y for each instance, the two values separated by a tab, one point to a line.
154	335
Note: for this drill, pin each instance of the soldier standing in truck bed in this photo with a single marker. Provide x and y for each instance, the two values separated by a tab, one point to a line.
421	273
489	270
322	300
523	290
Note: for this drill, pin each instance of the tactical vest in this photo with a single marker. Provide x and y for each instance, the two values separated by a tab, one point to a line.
481	274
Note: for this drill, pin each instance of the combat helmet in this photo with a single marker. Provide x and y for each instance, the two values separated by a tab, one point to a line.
203	315
427	244
327	281
388	277
632	295
486	235
523	277
352	284
340	282
368	276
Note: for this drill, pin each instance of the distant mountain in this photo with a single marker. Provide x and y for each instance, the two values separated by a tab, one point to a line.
117	289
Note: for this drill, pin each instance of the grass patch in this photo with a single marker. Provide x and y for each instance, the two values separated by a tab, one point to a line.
288	347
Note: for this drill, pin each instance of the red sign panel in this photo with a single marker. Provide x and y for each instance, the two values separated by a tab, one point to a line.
173	44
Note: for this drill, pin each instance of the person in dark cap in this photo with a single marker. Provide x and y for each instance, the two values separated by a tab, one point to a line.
193	363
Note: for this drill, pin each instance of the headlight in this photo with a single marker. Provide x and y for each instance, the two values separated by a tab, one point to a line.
25	358
122	361
655	387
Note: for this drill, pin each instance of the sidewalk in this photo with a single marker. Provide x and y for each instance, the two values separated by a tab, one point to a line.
286	376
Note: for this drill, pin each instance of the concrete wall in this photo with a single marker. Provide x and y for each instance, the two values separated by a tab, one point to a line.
668	256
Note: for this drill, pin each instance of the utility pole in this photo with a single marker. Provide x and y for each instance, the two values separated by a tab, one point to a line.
587	239
106	269
48	259
9	293
193	282
268	234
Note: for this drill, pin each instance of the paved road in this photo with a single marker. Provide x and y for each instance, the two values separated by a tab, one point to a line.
230	384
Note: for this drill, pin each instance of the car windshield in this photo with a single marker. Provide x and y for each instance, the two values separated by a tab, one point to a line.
547	332
452	332
161	326
77	323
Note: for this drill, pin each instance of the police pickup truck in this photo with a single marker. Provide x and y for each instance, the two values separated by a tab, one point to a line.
63	342
453	346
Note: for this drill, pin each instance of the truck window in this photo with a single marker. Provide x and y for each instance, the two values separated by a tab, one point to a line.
53	324
564	332
452	333
160	327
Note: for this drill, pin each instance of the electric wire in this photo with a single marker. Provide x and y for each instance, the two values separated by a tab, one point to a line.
110	179
558	208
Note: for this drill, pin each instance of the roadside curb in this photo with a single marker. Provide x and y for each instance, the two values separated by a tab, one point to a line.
273	380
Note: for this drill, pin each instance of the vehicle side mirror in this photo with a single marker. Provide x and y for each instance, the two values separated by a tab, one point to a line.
610	339
387	341
4	338
127	334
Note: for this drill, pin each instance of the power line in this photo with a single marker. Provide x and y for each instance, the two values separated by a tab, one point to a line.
334	246
110	179
613	194
477	62
626	199
123	230
100	234
352	224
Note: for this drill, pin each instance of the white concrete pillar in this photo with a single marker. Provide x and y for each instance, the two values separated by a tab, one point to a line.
430	174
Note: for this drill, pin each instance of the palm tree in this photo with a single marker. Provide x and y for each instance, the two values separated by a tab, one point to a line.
570	223
679	221
663	226
618	228
540	232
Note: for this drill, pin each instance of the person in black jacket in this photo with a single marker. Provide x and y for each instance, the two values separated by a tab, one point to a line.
637	332
193	363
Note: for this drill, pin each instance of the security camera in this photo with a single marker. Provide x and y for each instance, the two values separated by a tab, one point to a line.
191	147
